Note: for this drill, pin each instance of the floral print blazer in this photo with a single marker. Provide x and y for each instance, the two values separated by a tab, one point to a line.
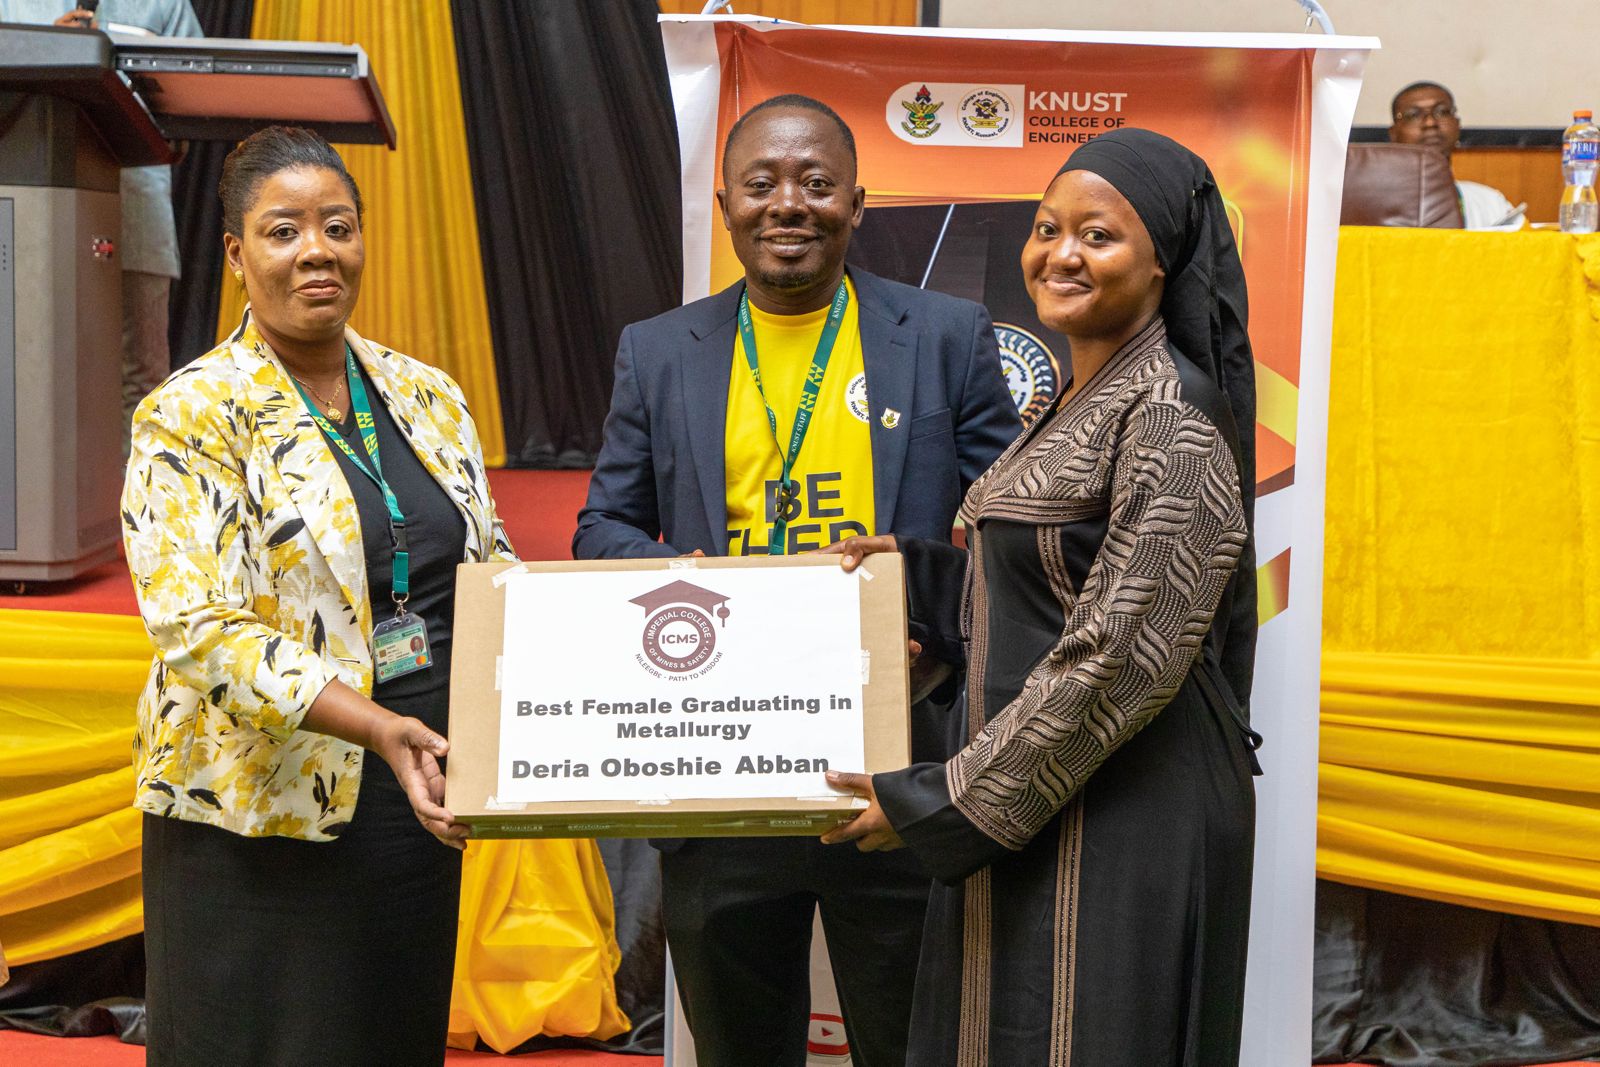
246	553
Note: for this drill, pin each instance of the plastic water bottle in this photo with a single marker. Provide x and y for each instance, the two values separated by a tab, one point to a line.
1580	158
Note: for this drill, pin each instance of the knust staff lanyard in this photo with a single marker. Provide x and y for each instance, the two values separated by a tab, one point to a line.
788	503
399	645
400	588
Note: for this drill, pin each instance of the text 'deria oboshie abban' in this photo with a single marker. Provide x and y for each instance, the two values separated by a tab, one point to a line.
648	686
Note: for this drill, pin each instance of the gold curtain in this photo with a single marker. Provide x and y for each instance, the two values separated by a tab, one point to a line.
1461	641
423	291
69	836
816	12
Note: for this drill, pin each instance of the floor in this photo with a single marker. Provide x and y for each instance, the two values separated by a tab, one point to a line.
34	1051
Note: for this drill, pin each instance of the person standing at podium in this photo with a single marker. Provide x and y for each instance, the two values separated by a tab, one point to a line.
148	250
699	456
295	507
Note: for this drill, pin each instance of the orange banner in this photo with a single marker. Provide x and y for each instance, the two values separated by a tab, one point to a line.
992	122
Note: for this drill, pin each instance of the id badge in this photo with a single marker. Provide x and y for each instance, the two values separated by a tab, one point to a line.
400	646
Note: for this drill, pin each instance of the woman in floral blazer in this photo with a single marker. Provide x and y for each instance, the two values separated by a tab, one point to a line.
296	911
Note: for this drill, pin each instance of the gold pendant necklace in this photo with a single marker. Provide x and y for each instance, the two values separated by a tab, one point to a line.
333	411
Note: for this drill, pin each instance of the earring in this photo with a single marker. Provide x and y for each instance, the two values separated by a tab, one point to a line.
238	275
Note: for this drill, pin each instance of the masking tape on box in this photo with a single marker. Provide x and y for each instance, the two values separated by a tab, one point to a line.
834	798
505	576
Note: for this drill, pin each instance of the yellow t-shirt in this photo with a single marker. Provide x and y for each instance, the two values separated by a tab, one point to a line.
834	468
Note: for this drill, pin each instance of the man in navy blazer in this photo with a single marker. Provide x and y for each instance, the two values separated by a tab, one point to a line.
738	911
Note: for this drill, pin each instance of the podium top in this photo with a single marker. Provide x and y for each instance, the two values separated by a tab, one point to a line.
80	65
218	88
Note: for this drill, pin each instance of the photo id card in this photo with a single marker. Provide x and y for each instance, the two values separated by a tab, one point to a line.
400	646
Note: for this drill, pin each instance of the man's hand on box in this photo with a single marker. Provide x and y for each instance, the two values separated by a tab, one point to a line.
852	551
870	830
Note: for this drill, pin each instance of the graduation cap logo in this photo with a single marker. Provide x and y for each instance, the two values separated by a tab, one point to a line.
678	634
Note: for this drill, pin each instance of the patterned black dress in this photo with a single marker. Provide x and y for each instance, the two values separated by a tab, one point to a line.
1094	838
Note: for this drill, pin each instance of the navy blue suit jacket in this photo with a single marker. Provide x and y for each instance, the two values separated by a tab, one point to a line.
660	473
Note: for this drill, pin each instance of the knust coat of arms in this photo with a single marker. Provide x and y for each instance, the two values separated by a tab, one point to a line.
920	111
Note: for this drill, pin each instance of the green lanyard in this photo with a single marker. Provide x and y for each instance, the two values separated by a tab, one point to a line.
788	503
400	585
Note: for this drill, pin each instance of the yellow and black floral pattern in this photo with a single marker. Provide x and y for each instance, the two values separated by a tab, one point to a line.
245	548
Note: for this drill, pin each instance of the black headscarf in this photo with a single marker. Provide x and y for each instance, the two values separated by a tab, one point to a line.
1205	310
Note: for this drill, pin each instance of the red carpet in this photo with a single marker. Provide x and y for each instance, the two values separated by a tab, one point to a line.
35	1051
539	508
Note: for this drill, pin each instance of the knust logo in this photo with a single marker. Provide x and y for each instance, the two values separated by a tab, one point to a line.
1031	370
985	113
678	635
988	115
920	111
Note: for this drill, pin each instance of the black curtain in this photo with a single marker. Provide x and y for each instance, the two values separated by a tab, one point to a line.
192	307
1417	983
573	145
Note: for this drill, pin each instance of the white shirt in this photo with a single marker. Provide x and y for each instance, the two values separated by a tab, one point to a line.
1484	208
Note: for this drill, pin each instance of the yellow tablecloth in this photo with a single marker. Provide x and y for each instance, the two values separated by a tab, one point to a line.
1461	639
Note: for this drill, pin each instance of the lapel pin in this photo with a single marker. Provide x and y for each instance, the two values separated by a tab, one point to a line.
890	419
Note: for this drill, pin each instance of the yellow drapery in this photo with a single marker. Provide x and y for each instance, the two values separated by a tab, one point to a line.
1461	641
423	291
69	836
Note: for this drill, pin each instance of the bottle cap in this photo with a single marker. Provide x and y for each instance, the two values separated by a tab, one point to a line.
1583	113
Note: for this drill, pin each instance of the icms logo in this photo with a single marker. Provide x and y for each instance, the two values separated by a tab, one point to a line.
678	634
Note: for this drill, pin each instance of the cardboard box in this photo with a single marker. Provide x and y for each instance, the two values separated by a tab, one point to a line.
669	639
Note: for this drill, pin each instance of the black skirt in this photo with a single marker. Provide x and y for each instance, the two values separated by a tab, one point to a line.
285	953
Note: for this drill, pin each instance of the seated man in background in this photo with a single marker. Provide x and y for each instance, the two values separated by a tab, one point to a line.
1425	113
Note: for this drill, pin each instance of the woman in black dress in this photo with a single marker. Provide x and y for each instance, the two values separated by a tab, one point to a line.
1094	839
295	508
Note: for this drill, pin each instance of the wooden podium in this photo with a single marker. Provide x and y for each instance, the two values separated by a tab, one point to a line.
76	106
